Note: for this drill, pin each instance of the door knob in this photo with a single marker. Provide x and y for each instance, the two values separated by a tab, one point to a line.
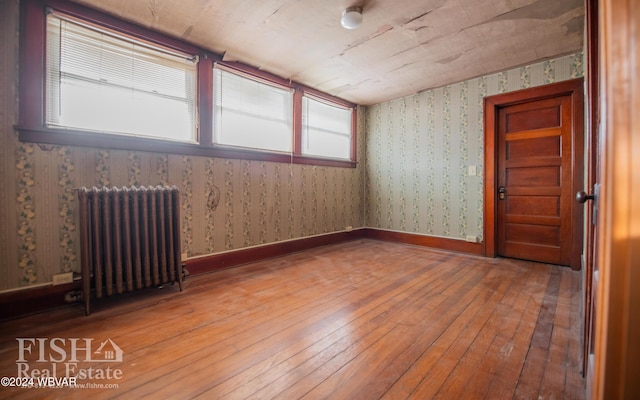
582	197
501	192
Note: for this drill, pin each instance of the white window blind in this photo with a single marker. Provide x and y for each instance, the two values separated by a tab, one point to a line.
250	113
326	129
101	81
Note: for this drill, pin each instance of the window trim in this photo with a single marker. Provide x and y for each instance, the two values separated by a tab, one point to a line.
268	82
31	123
321	99
170	55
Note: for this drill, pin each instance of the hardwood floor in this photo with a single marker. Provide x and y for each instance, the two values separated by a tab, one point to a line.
359	320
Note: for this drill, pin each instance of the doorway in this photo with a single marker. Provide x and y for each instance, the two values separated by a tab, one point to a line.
534	161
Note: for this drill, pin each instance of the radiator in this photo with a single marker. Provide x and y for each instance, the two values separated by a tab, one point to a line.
129	239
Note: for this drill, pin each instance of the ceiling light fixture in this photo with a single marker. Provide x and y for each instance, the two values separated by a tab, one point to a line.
351	17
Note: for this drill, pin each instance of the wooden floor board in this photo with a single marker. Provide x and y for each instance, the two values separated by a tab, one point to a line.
459	382
275	337
452	319
536	359
364	320
360	366
358	320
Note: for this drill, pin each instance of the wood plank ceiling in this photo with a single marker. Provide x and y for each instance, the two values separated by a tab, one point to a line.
402	47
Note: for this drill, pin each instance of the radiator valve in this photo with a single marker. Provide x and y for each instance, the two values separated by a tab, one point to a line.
185	273
73	297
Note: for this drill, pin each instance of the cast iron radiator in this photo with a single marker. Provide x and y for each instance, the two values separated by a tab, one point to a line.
129	239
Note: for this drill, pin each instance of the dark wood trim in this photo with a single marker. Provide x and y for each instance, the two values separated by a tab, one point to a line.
490	178
234	258
69	137
215	262
252	72
298	87
593	118
205	100
299	91
31	300
44	136
354	135
297	123
617	326
327	162
118	25
27	301
325	96
574	88
577	166
32	128
32	63
423	240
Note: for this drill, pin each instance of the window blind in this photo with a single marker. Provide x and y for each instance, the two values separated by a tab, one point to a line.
326	129
100	81
250	113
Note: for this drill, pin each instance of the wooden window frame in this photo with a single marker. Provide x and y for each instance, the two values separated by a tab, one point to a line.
31	124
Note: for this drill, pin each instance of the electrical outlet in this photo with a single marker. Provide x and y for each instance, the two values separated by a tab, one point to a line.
472	170
61	279
184	257
348	228
472	239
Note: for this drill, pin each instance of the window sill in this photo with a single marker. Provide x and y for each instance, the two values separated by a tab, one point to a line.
47	136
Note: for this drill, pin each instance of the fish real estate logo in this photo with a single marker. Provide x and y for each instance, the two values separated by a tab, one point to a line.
72	358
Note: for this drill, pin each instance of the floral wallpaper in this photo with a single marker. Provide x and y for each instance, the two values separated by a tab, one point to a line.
67	221
25	199
259	202
226	204
413	156
419	149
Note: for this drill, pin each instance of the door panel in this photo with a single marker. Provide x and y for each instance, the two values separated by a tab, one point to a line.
534	212
535	147
548	206
534	118
538	176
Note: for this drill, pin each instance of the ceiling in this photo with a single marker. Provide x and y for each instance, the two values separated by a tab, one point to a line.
402	47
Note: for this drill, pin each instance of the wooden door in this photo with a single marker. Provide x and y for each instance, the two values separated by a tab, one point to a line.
535	188
591	273
614	371
522	229
591	289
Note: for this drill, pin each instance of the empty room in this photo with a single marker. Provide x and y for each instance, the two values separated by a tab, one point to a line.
317	199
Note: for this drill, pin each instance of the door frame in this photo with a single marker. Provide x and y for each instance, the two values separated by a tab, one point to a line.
593	127
574	88
617	350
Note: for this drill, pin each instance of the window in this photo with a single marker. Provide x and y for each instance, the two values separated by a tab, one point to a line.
93	80
99	81
326	129
251	113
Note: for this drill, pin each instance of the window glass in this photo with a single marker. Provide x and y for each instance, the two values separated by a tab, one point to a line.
251	113
326	129
99	81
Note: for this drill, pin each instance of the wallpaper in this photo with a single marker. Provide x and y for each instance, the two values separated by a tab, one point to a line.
419	149
414	153
260	202
226	204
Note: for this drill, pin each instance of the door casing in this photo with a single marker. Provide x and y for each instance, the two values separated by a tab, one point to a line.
574	88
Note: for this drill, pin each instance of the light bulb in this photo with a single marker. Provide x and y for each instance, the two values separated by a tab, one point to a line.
351	17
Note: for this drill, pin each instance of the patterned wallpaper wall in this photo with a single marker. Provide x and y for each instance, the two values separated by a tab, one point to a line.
260	202
411	179
419	149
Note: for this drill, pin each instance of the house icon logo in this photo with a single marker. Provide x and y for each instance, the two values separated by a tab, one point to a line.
107	352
